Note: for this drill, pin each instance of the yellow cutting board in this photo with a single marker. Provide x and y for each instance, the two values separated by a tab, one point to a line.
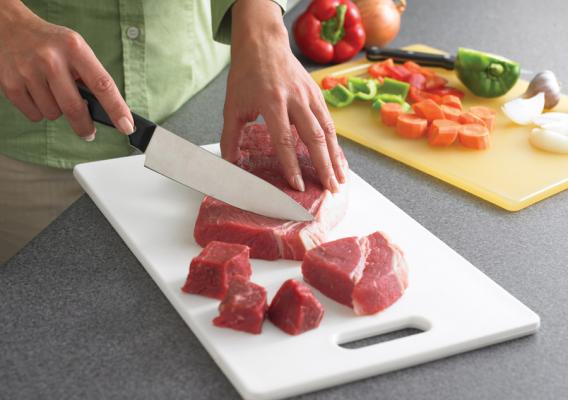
511	173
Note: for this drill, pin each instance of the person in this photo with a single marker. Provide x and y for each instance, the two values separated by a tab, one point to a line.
149	57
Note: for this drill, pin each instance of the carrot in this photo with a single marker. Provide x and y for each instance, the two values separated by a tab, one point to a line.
452	101
451	113
474	136
411	126
428	109
443	132
390	113
470	118
487	114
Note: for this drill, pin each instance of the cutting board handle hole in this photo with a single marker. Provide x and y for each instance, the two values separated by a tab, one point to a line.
380	338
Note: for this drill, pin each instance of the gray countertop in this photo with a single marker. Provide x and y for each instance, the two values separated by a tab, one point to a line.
80	318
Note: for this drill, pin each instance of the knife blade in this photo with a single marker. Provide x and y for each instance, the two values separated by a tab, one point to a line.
184	162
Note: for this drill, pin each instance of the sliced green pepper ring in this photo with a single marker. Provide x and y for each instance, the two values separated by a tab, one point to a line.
338	96
486	75
363	89
390	98
392	86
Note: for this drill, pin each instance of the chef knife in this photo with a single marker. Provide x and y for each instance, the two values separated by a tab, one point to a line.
180	160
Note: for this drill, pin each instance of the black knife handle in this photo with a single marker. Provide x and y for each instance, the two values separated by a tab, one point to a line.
144	129
399	56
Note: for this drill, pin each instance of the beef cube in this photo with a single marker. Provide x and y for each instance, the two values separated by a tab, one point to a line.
295	309
244	307
211	272
367	274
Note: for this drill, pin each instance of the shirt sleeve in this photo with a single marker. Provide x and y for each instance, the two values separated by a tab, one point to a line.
221	18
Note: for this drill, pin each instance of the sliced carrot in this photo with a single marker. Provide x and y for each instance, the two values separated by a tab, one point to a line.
390	113
474	136
411	126
470	118
452	101
428	109
451	113
443	132
487	114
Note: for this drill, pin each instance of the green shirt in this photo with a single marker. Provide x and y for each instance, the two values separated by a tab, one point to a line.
160	53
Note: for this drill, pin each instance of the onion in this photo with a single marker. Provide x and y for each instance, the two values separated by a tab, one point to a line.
551	117
381	20
524	111
548	140
545	82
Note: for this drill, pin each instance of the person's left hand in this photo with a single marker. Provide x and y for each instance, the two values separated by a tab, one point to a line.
266	79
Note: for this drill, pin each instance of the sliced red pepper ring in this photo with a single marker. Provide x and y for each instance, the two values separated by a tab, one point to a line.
330	81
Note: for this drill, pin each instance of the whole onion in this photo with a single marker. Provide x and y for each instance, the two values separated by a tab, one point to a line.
381	20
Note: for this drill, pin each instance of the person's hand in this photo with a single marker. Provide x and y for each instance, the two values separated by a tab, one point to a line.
39	66
266	79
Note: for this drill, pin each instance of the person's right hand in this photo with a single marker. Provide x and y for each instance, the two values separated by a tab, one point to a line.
39	66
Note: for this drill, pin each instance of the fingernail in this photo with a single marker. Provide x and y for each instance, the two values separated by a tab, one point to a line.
91	137
341	174
333	185
125	126
298	183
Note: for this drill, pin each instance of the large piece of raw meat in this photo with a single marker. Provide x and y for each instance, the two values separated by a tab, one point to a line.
270	238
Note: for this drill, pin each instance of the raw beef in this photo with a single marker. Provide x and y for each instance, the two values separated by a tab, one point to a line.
295	309
213	269
270	238
368	273
244	307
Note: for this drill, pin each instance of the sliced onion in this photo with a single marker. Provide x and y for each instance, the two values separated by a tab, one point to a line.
558	127
550	117
549	140
522	111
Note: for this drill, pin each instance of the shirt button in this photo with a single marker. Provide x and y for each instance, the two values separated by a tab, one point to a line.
132	32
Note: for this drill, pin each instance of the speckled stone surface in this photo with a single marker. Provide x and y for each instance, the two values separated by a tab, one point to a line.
80	318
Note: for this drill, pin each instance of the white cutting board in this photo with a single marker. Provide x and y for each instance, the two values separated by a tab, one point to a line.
457	306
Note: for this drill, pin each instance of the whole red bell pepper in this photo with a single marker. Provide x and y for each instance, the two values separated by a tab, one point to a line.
330	31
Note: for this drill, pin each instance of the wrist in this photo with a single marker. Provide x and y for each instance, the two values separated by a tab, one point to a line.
13	13
256	23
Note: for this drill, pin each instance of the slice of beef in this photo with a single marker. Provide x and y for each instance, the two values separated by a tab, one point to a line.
295	309
270	238
367	274
213	269
244	307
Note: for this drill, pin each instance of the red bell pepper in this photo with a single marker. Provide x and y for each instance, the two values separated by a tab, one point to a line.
330	81
330	31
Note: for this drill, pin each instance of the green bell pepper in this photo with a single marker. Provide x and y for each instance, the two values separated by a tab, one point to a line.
486	75
363	89
338	96
392	86
390	98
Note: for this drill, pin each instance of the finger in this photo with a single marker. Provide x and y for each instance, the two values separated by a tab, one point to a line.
99	81
337	157
285	145
72	104
314	138
19	97
231	136
43	98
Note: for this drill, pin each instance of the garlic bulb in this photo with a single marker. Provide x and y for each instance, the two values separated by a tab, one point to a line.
546	83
